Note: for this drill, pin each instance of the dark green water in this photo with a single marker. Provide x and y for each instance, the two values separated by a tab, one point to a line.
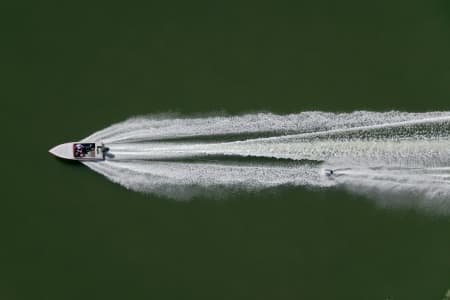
70	70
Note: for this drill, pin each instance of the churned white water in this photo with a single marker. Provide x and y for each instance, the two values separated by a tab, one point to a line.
396	154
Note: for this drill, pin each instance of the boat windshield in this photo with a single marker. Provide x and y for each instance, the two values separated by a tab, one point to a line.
84	150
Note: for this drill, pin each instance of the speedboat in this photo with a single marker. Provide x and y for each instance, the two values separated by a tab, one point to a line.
82	151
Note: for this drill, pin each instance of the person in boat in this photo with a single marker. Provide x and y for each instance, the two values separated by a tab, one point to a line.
79	150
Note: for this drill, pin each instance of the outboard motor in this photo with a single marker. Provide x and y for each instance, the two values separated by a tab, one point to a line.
104	148
105	151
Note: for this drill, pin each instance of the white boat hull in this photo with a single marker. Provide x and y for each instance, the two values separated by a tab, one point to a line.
81	151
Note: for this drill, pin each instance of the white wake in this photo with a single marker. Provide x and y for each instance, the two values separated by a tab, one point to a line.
405	155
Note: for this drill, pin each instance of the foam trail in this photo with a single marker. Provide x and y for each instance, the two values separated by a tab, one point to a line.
160	127
181	180
383	152
427	188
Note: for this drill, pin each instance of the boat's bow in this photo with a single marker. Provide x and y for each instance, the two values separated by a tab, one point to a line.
63	151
